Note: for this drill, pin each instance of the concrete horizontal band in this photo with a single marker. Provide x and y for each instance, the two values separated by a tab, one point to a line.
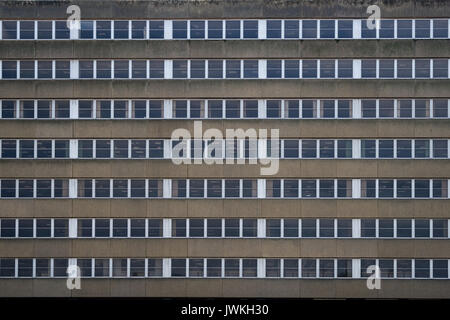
223	49
220	208
276	288
289	128
221	9
238	88
317	168
228	248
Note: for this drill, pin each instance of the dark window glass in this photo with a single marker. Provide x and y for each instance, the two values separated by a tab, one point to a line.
422	68
215	69
249	268
421	268
309	68
291	29
137	228
44	69
44	29
103	29
251	68
309	227
274	29
291	69
386	28
85	108
137	188
440	28
87	29
154	267
386	148
250	29
440	269
368	68
198	69
214	228
309	29
327	69
120	29
345	68
25	228
385	228
9	29
308	188
368	30
102	188
404	28
344	268
386	188
178	267
326	228
62	69
27	70
139	69
404	68
61	30
422	228
440	68
368	228
404	228
309	149
179	29
327	29
231	227
156	69
215	29
9	68
138	30
422	28
440	149
86	69
8	228
8	109
102	228
156	29
155	108
232	29
249	228
85	228
233	69
25	267
180	68
345	29
386	68
404	149
309	268
120	188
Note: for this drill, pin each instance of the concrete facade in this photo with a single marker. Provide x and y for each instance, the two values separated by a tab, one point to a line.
225	208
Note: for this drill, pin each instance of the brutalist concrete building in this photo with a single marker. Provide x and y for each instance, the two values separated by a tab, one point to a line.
89	178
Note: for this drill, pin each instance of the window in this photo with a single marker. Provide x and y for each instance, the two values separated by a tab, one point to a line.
273	108
196	268
440	269
9	148
84	228
386	228
404	228
308	188
404	68
345	29
250	29
440	189
215	69
386	29
155	188
440	28
102	228
404	28
327	29
404	268
440	108
27	70
327	68
404	108
404	149
365	265
368	228
44	29
120	228
273	228
421	188
290	268
273	188
386	148
326	228
440	228
213	267
291	68
85	188
215	29
249	228
26	148
421	228
44	109
214	227
232	109
8	109
327	108
25	267
386	68
155	108
119	267
179	29
274	29
156	29
326	148
197	29
8	228
26	29
137	228
309	228
231	268
291	29
138	30
368	148
326	268
440	149
62	69
178	227
137	148
121	29
309	268
326	188
344	228
290	228
249	268
9	29
120	149
422	68
180	69
103	149
274	68
26	228
154	267
344	268
86	70
232	29
103	29
369	68
137	267
422	268
104	69
231	227
42	267
198	69
309	29
386	268
178	267
61	30
233	69
251	68
101	268
156	69
273	268
344	108
137	188
422	28
155	228
9	68
291	149
43	228
85	109
121	69
309	149
43	188
196	228
309	68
